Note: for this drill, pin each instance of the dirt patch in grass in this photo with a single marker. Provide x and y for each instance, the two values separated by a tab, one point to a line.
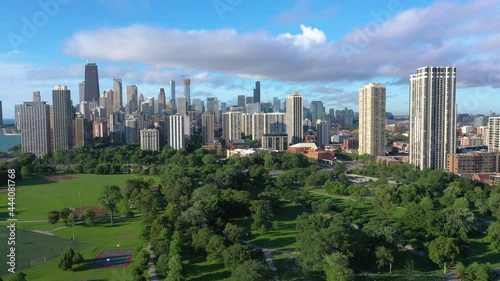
99	212
58	178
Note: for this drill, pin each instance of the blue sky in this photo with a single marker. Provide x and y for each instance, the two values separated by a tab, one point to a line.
324	49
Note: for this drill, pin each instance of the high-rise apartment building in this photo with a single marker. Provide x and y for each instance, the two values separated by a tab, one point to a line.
117	94
432	116
131	131
91	83
293	118
372	99
81	91
213	105
132	99
198	105
35	128
256	92
276	104
63	118
179	131
257	126
494	134
83	131
208	126
231	124
274	123
1	114
150	139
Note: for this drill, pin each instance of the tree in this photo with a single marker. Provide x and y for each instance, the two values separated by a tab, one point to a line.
336	267
235	255
26	171
88	216
234	234
162	265
494	235
66	259
138	273
175	269
252	270
110	196
19	276
215	248
200	239
262	214
384	256
475	272
53	217
382	202
336	187
442	251
78	259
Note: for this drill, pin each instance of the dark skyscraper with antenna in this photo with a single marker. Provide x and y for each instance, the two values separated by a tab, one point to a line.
256	92
91	82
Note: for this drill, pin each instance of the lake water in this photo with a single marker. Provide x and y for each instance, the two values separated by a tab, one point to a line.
7	142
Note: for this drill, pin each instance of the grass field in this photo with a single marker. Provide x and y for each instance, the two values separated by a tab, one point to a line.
206	271
283	238
36	196
30	246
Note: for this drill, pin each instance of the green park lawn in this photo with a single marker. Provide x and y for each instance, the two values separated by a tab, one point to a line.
206	271
283	238
36	196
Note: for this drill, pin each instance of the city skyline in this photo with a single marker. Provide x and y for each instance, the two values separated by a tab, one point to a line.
380	55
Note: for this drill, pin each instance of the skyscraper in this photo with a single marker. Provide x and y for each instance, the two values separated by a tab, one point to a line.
256	92
213	105
198	105
108	99
160	103
37	96
35	128
274	123
172	93
323	133
276	104
132	102
83	131
208	126
293	118
241	101
131	131
1	114
91	83
317	111
181	105
432	116
81	91
372	120
117	94
187	92
63	118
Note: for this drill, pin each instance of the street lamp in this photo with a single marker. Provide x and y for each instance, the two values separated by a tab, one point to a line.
73	210
80	196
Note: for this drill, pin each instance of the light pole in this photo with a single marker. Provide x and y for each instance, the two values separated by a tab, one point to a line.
73	210
80	196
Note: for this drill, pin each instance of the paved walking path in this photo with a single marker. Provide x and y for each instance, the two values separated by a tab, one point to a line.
268	256
151	265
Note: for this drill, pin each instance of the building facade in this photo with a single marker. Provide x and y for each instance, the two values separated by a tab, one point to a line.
150	139
372	114
293	118
208	127
35	128
276	141
63	118
493	134
432	117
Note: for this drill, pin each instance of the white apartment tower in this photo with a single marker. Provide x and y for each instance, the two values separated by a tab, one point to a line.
372	120
493	134
179	131
432	116
293	118
231	124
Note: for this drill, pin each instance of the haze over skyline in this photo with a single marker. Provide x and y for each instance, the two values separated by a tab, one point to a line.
223	46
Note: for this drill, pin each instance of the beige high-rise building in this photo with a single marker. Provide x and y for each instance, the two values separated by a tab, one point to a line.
493	134
35	128
231	124
117	95
293	118
208	126
432	117
372	120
